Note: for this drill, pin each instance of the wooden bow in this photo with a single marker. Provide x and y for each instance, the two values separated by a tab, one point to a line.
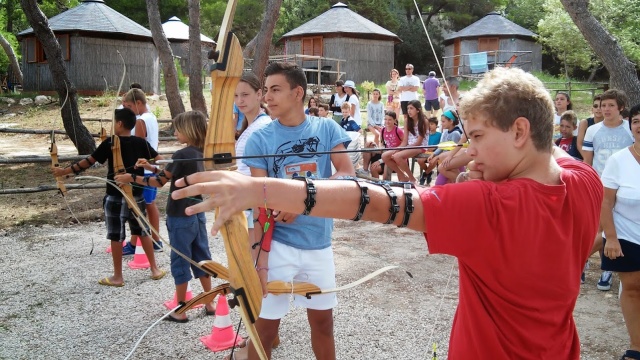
225	75
116	151
53	150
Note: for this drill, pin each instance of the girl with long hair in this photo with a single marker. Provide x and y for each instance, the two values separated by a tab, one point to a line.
416	130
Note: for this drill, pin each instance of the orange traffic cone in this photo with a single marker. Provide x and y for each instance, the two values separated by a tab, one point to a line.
222	336
171	304
140	260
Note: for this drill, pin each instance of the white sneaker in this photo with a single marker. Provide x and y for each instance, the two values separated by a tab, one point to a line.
605	281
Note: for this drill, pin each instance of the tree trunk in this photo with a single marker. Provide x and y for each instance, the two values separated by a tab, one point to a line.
166	58
195	59
67	92
263	38
15	66
622	71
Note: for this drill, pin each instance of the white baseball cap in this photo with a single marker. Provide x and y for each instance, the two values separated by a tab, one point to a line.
350	84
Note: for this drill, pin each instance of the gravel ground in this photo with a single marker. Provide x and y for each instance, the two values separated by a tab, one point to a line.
51	306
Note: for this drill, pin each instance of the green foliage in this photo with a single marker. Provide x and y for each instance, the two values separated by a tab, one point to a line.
4	59
526	13
557	31
565	42
297	13
246	23
182	80
415	47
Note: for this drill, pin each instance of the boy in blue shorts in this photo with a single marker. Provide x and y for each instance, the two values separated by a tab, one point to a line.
116	212
301	245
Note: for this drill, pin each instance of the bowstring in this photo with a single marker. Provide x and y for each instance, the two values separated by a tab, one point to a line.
446	84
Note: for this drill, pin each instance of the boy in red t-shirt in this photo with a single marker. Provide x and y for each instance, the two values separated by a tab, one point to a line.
568	142
530	215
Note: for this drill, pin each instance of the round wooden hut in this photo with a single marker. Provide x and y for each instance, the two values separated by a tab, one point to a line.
177	33
505	43
341	34
91	35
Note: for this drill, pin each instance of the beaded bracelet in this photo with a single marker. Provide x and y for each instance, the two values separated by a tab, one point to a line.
310	201
408	204
394	209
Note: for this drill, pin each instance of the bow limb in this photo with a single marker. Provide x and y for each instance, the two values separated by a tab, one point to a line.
116	151
225	75
307	289
53	150
204	298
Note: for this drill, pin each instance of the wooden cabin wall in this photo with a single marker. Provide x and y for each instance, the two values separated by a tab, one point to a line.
92	60
367	60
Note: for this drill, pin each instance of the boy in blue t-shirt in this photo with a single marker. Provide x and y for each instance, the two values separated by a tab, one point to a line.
301	247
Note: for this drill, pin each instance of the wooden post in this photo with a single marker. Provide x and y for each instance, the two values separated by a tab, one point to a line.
319	62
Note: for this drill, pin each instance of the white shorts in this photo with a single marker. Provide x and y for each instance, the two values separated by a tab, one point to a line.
288	264
249	215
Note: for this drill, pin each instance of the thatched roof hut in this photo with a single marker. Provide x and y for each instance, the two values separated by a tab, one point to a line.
177	33
340	33
90	35
506	44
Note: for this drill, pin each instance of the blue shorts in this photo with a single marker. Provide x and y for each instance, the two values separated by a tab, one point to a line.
630	262
188	234
149	193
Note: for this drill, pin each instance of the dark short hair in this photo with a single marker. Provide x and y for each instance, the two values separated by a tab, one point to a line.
433	120
126	116
633	112
618	95
135	86
313	111
292	72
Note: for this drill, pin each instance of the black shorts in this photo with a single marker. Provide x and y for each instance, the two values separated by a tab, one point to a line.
117	214
403	106
431	104
630	262
376	157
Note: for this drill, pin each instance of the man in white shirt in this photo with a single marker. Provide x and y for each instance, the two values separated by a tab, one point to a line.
408	86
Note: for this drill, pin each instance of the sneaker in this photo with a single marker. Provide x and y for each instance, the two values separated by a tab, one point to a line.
128	249
582	278
157	248
605	281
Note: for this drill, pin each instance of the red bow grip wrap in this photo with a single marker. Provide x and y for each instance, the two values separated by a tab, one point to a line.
266	223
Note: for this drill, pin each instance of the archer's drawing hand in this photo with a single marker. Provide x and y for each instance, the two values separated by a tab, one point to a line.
144	163
474	172
231	193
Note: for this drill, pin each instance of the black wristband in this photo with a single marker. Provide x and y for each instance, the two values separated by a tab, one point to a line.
133	177
394	209
408	204
364	199
74	170
310	201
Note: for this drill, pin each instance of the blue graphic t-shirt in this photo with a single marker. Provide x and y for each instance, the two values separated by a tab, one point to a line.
313	135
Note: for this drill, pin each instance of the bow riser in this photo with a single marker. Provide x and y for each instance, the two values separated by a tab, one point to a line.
224	77
53	151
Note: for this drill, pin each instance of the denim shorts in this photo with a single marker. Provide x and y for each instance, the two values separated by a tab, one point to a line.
188	234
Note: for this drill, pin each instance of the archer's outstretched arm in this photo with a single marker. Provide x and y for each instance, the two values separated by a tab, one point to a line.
338	199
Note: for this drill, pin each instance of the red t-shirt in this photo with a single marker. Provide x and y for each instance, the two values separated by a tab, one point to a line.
521	247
